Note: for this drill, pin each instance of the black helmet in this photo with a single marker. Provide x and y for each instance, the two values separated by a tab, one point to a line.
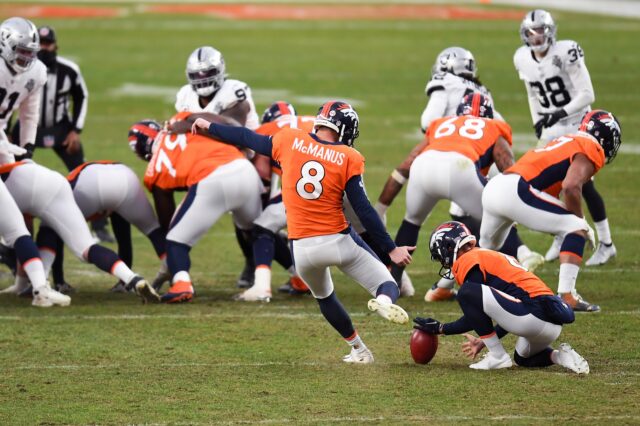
603	126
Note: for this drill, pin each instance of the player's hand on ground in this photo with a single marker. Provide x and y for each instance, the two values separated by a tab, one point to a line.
472	346
72	142
428	325
200	123
401	256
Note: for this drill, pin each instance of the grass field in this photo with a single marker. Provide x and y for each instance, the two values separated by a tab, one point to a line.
108	359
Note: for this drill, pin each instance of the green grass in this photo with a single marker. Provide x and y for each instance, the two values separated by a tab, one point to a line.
109	360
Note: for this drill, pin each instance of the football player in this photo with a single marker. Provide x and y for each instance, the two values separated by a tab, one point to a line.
452	163
317	169
45	194
209	90
108	189
527	193
453	75
22	77
560	93
494	287
15	235
279	115
217	177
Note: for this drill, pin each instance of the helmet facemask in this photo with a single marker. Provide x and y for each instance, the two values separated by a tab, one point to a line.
206	71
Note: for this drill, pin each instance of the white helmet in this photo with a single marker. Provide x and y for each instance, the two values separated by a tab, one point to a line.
206	70
457	61
19	43
537	30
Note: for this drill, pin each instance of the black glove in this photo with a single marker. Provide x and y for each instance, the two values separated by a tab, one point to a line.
538	128
428	325
549	119
29	154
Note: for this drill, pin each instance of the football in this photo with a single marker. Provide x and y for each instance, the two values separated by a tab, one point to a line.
423	346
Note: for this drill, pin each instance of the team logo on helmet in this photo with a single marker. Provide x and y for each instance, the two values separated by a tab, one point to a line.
605	128
341	118
445	242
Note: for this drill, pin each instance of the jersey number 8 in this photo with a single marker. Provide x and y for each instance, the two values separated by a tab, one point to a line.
309	186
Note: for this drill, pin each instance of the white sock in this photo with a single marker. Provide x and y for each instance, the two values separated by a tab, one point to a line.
568	277
356	342
603	231
121	271
384	299
262	278
181	276
47	256
446	283
494	345
523	252
35	271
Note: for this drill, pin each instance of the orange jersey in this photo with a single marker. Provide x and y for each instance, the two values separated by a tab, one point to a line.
314	177
182	160
473	137
545	168
73	175
501	272
303	122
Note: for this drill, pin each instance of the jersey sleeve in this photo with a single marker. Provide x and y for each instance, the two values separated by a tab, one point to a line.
464	264
182	102
277	147
504	130
594	153
577	72
355	166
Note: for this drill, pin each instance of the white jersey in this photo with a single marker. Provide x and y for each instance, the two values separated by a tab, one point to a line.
559	80
21	91
230	94
445	91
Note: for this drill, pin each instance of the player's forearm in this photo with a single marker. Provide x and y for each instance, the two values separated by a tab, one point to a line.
583	99
459	326
367	215
29	116
242	137
502	155
573	199
391	189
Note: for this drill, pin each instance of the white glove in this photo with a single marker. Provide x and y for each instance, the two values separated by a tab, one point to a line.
8	148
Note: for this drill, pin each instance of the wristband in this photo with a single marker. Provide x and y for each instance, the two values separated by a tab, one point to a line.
397	176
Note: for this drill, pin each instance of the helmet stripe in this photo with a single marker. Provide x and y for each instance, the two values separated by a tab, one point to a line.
586	119
475	104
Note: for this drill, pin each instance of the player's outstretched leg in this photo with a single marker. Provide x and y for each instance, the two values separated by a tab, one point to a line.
384	303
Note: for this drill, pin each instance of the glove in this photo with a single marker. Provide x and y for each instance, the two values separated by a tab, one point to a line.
428	325
538	128
27	152
8	148
549	119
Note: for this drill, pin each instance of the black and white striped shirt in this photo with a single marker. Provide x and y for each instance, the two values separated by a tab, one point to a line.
64	83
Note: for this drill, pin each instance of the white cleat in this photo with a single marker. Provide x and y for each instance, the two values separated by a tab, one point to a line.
489	362
46	297
569	358
253	294
532	262
389	311
406	289
602	254
20	284
554	251
359	356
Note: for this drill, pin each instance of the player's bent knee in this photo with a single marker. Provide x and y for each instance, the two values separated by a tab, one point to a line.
470	293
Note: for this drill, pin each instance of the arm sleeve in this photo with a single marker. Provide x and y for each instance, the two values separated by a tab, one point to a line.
243	137
29	116
435	108
367	215
459	326
80	96
581	80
